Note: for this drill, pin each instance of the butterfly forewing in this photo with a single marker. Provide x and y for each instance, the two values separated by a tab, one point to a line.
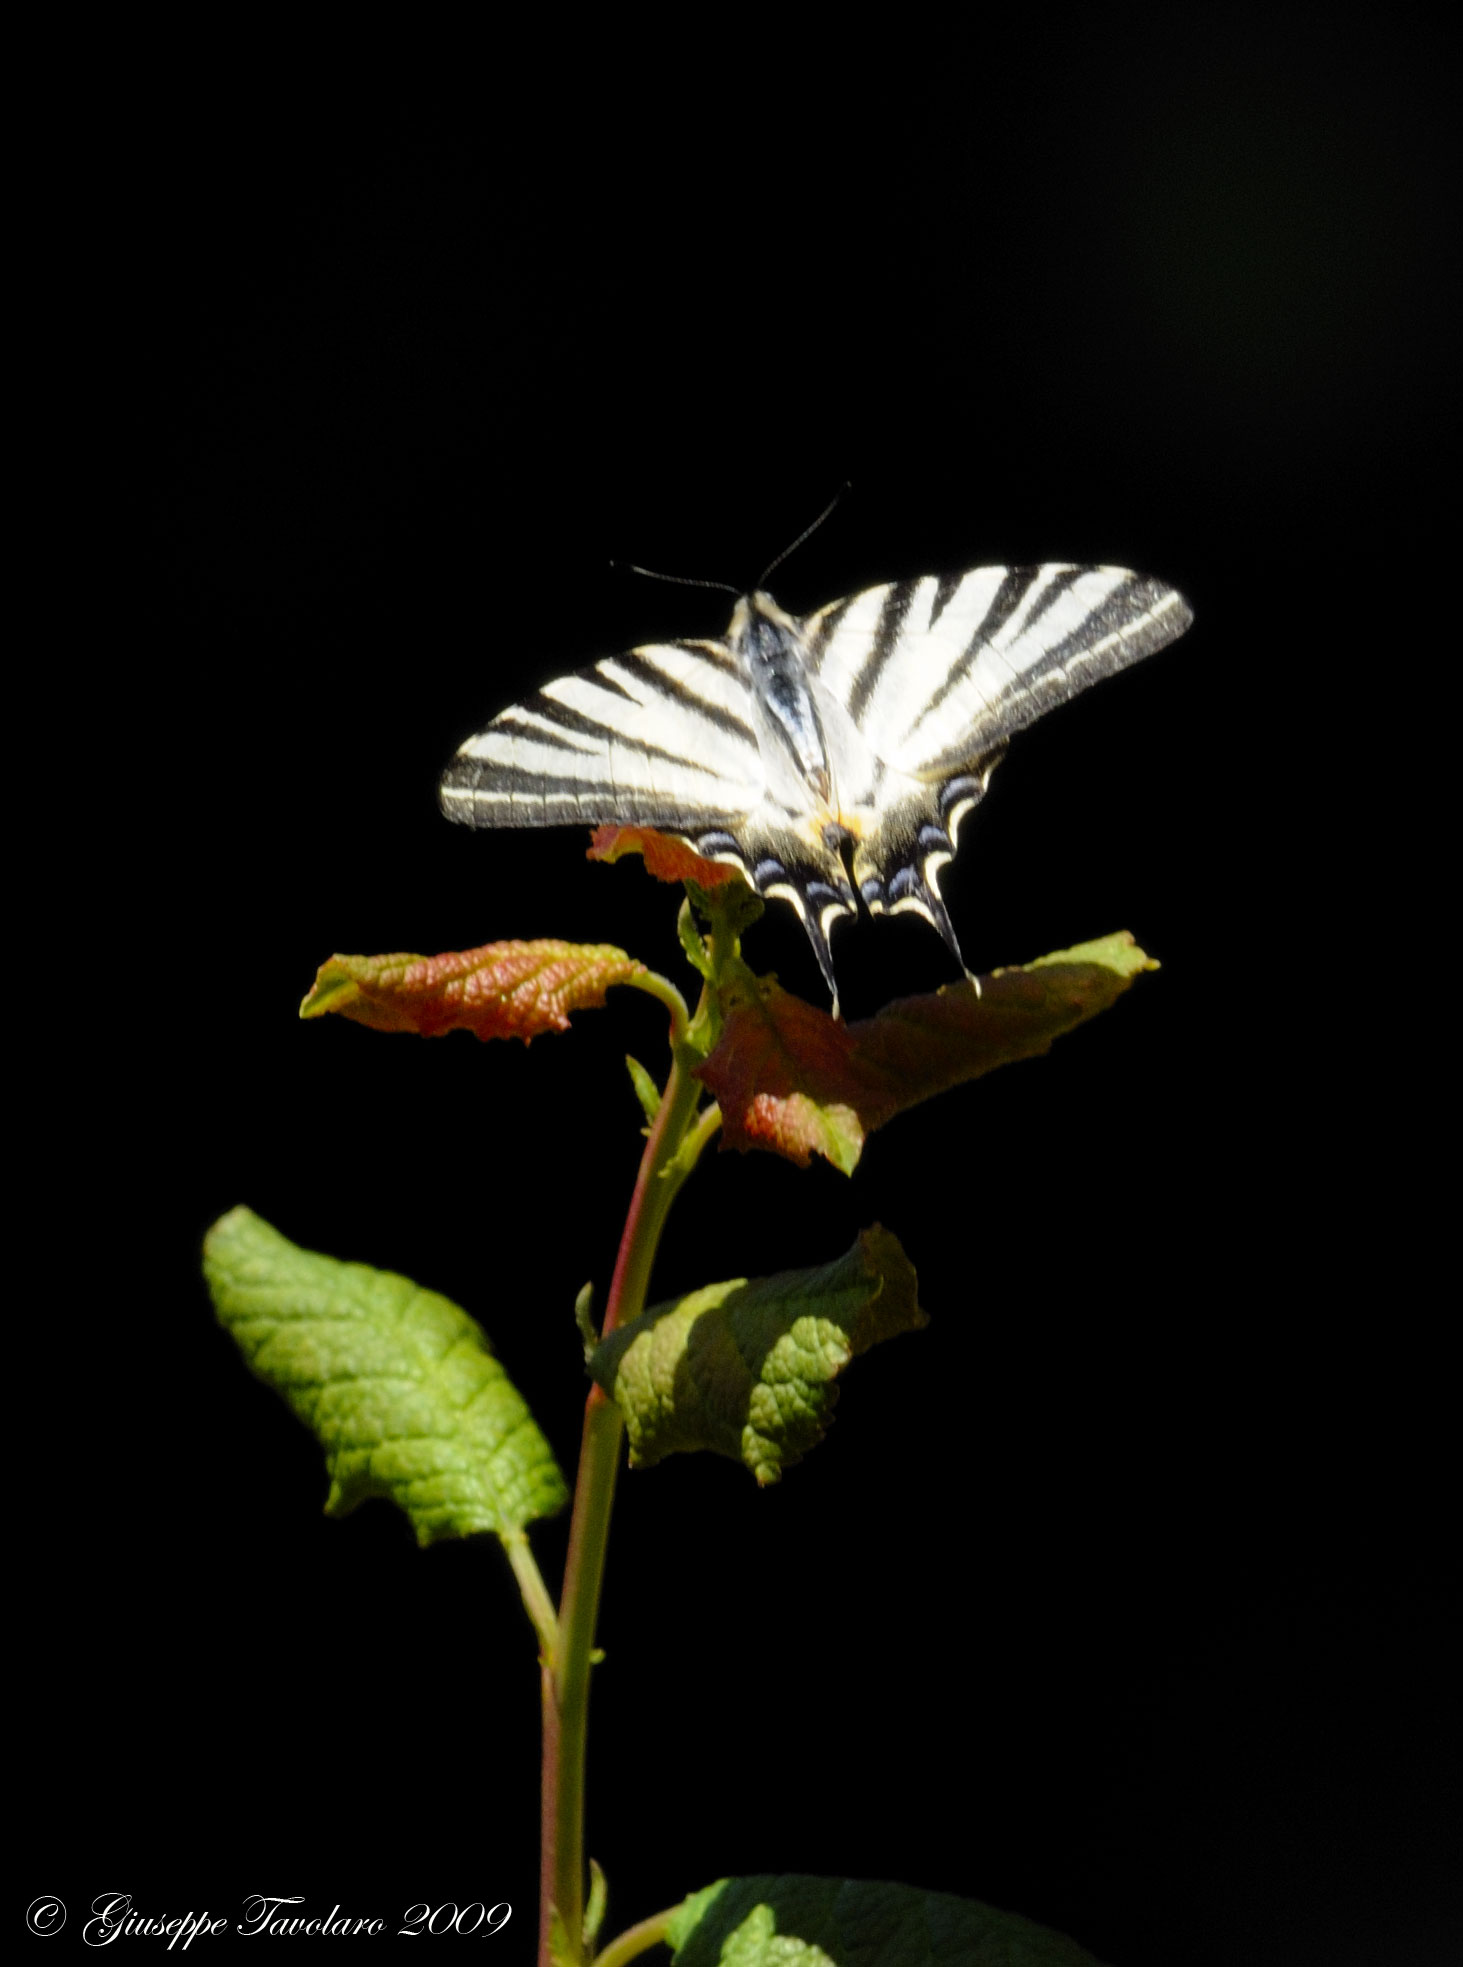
1072	626
661	736
943	671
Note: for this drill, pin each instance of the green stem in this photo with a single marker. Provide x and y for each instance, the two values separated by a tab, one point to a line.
566	1671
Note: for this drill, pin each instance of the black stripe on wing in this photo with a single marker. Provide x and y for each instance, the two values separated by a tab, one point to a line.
570	724
947	586
672	690
886	638
478	793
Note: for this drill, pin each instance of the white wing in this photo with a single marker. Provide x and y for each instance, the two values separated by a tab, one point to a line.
661	736
938	673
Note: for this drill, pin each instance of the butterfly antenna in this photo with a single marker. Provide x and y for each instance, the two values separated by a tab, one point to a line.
807	533
676	580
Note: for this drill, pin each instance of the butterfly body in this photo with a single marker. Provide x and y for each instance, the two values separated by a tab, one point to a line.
798	747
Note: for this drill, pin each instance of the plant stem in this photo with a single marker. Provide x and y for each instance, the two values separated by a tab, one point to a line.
565	1684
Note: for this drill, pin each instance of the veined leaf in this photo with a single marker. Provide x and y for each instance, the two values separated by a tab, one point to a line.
397	1383
750	1369
795	1081
665	858
832	1922
503	990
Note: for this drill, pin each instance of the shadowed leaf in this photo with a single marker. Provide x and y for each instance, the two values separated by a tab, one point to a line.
397	1383
792	1079
749	1369
796	1921
503	990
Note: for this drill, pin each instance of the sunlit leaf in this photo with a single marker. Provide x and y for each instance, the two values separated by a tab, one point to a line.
503	990
397	1383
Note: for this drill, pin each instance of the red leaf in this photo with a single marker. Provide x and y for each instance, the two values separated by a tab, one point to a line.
791	1079
667	858
503	990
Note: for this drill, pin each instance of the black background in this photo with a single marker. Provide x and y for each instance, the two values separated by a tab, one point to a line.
1122	1596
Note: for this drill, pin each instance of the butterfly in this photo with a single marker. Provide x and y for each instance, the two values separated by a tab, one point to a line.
830	757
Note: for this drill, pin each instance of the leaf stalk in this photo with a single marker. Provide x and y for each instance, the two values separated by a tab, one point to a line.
636	1940
535	1593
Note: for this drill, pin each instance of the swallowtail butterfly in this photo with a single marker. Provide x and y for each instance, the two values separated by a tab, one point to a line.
803	748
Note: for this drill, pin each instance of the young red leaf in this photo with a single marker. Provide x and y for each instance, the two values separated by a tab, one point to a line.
503	990
665	858
791	1079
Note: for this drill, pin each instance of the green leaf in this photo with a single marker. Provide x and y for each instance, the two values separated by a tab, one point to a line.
750	1370
831	1922
503	990
584	1320
398	1384
646	1090
696	952
562	1951
594	1912
792	1079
